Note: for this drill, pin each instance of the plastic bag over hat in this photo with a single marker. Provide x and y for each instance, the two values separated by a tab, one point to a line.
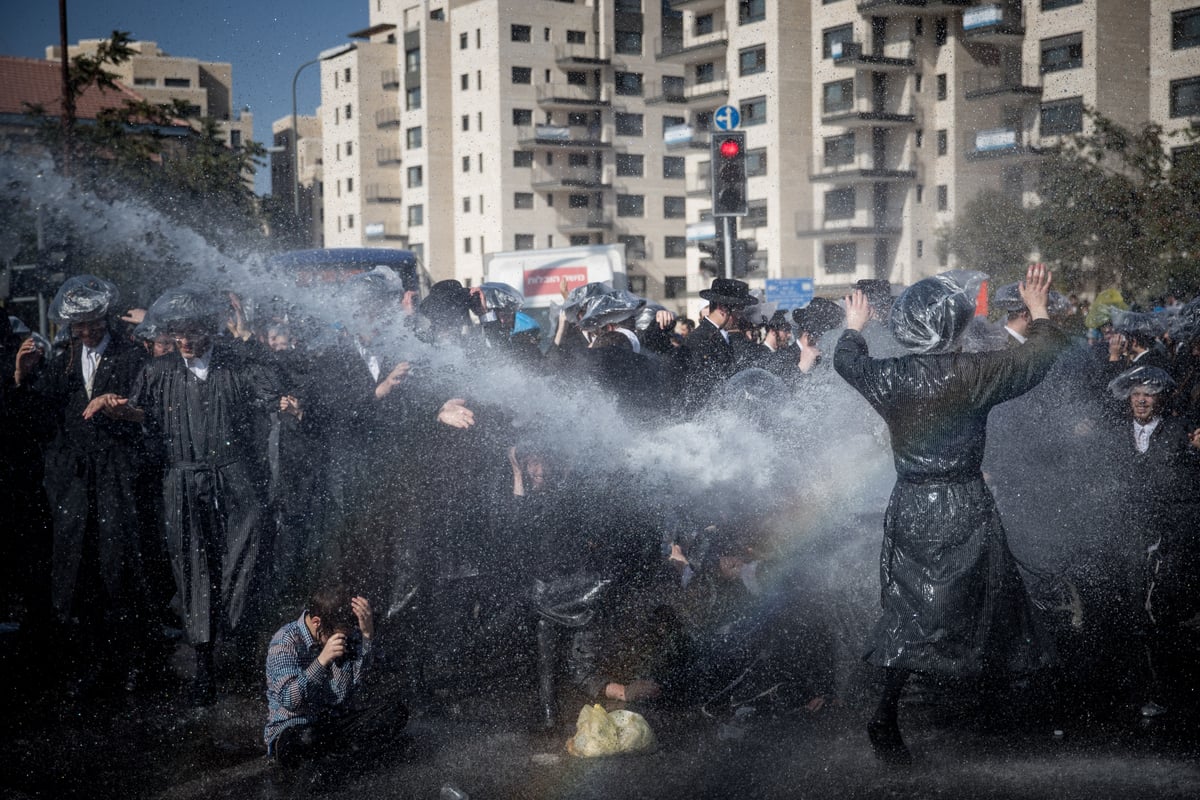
607	309
147	330
1185	325
646	315
1008	298
578	298
1152	380
1146	323
759	314
1101	310
184	306
83	298
601	733
930	315
501	297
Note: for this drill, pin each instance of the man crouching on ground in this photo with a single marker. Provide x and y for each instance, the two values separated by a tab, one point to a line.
315	670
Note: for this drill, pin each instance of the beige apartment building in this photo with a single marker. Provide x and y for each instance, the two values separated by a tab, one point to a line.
1175	65
205	86
309	160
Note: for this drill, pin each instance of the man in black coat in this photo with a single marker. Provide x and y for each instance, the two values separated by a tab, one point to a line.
711	358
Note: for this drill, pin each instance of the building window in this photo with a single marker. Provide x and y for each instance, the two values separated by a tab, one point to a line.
943	88
576	78
578	201
522	75
466	244
628	83
751	11
837	96
943	142
635	246
919	27
412	98
577	118
1185	29
841	257
416	177
481	162
522	158
627	43
478	38
416	215
438	15
577	160
673	87
350	221
464	81
1063	116
704	25
753	60
675	247
523	200
412	60
920	248
521	33
839	203
674	286
346	75
917	83
939	31
349	185
754	111
628	124
671	121
705	73
145	81
943	197
839	150
1062	52
1185	97
631	205
177	83
522	116
523	241
756	214
756	162
674	167
919	138
832	40
465	122
412	138
920	193
462	41
466	163
467	205
576	37
1050	5
629	165
674	207
349	111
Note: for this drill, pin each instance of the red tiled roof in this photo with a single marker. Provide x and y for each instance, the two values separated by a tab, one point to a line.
39	83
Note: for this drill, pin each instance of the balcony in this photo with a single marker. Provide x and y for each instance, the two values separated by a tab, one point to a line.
993	24
865	224
388	155
390	79
676	97
566	95
1007	84
383	193
696	50
698	6
709	91
384	231
865	112
995	143
890	8
698	183
573	55
861	169
685	137
568	179
583	220
561	137
387	117
895	57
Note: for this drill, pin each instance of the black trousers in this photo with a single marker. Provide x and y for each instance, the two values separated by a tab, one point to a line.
367	730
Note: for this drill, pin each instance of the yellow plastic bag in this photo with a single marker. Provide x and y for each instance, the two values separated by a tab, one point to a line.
599	733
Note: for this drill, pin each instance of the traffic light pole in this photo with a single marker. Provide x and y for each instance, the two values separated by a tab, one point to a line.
728	242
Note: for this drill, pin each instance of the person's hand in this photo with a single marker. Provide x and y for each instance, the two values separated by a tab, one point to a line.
858	311
518	475
1116	347
1194	439
28	356
478	302
408	303
664	318
809	353
237	323
455	413
1035	290
290	405
394	379
366	620
134	316
335	648
111	405
563	288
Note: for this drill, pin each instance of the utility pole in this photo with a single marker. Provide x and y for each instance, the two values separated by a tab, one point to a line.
67	120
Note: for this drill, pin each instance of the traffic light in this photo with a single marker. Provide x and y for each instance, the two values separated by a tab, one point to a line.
714	262
728	154
743	253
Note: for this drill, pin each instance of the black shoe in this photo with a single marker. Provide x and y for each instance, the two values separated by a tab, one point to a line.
887	742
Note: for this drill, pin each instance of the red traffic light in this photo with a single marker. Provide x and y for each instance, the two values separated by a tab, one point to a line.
730	148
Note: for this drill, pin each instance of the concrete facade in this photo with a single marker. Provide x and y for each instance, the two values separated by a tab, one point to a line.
310	159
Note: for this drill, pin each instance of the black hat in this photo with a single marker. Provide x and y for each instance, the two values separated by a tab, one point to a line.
877	290
819	316
729	292
447	303
779	321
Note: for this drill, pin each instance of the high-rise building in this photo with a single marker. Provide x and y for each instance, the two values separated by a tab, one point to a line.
302	147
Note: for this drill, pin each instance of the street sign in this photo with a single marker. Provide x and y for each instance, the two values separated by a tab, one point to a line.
789	292
727	118
701	231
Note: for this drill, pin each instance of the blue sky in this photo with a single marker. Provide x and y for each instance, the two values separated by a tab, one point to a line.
265	40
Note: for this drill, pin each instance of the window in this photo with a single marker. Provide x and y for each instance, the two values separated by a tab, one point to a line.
416	177
753	60
522	116
703	120
466	122
522	158
635	246
479	79
704	24
412	98
576	37
580	239
478	38
672	86
919	138
674	167
576	78
1185	97
756	162
631	205
627	43
920	193
751	11
841	257
1063	116
412	138
919	27
350	221
521	33
466	163
756	214
481	162
522	75
674	207
832	39
629	165
523	200
839	203
1050	5
337	152
467	205
943	141
939	31
754	111
523	241
628	83
235	141
670	121
577	201
466	244
346	75
416	215
705	73
577	118
674	286
145	81
349	111
675	247
577	160
943	197
628	124
943	88
462	41
917	82
1062	52
920	248
1185	29
837	96
412	60
464	81
438	15
177	83
839	150
349	185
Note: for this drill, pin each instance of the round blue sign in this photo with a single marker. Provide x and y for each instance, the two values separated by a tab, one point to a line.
726	118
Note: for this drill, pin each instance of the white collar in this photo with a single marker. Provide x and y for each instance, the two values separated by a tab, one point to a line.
1020	339
632	337
98	349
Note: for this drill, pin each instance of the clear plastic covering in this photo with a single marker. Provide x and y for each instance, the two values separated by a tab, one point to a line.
930	315
1008	298
83	298
1185	325
501	297
1146	323
184	306
579	298
381	281
18	327
759	314
1152	380
146	330
646	315
611	308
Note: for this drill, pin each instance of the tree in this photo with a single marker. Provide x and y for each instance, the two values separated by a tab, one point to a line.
993	234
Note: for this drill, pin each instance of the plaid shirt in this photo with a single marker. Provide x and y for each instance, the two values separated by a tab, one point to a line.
299	690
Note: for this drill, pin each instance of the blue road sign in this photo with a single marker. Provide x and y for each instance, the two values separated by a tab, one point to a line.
789	292
727	118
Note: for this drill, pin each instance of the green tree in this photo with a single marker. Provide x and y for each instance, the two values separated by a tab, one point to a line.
993	234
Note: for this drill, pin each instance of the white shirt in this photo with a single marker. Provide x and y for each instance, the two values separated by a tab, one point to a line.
91	361
1141	434
1020	339
198	366
370	359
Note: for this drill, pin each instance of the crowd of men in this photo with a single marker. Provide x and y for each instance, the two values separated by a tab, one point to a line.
215	464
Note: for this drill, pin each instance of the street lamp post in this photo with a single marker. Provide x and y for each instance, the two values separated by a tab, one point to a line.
324	55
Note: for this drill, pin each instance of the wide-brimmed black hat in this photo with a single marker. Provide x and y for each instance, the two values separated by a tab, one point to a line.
819	316
729	292
447	303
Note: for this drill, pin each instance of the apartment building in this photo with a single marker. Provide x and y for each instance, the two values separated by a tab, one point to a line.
205	86
1175	66
301	146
